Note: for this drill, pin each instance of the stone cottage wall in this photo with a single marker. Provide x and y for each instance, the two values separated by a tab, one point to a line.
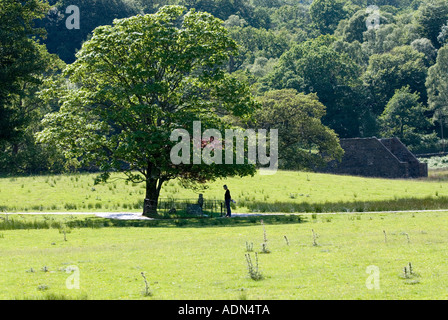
416	168
372	157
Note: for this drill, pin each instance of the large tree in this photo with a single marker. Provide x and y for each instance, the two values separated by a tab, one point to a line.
136	81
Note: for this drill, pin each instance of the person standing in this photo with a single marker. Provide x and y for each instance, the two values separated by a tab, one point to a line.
227	199
201	202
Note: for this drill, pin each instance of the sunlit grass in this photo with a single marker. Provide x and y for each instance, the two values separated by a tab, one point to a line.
326	257
286	191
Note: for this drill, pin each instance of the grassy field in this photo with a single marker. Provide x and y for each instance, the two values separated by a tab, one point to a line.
319	257
286	191
308	256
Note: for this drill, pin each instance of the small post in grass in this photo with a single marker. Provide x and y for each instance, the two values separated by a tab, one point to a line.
314	238
286	239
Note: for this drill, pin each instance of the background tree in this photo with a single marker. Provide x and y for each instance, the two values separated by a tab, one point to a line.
223	9
295	18
425	46
315	66
93	13
19	59
304	142
254	43
437	85
354	27
24	64
442	38
136	82
393	32
21	153
403	66
404	117
432	15
326	14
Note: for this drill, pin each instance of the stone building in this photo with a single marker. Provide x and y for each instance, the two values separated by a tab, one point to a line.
372	157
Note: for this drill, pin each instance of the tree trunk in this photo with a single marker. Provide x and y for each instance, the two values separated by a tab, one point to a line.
151	198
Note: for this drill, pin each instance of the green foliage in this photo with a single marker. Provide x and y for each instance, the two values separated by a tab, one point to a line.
392	32
256	43
25	66
223	9
315	66
326	14
404	117
20	60
425	46
293	17
442	38
277	45
436	162
432	15
304	142
66	42
387	72
437	85
137	81
354	28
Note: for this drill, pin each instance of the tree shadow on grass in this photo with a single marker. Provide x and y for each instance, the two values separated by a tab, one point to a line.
426	203
42	222
95	222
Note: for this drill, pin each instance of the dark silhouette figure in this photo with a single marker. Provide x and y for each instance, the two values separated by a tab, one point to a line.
227	199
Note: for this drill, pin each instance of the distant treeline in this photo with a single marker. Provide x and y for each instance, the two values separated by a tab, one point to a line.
379	68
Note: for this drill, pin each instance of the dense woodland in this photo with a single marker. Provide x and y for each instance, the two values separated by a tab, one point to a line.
319	70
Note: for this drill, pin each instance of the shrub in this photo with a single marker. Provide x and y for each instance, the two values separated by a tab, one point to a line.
254	272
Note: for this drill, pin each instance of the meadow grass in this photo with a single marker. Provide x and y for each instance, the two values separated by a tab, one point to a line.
320	256
326	257
286	191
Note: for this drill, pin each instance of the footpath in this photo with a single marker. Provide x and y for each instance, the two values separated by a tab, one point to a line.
139	216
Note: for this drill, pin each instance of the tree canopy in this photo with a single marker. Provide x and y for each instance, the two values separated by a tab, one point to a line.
404	117
352	55
135	82
437	86
304	142
19	59
315	66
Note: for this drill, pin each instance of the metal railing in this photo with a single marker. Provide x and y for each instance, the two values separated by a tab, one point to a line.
210	208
